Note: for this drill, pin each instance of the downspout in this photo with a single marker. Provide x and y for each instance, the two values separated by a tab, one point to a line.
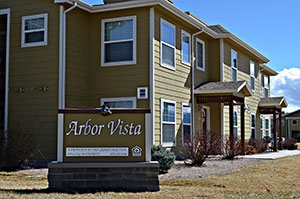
193	79
62	79
221	80
62	55
152	72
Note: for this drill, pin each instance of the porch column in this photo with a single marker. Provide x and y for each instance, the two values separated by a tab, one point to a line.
231	129
280	132
274	131
243	128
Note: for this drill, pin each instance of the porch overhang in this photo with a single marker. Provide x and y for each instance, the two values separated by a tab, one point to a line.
272	105
223	92
230	94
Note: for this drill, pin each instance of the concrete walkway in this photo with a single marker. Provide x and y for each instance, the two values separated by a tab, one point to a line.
273	155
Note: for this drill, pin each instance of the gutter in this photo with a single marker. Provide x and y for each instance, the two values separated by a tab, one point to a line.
193	79
62	79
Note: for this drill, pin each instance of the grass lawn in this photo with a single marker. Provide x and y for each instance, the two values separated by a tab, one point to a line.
272	179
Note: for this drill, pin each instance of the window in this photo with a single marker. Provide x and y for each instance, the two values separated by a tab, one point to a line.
118	41
186	47
167	44
266	85
260	81
200	54
168	122
34	30
142	93
261	127
235	125
252	75
122	102
294	122
267	128
234	66
253	122
186	124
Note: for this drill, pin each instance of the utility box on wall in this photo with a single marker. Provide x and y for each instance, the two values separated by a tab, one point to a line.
97	152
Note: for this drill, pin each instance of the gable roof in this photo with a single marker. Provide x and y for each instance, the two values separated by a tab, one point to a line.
293	114
225	88
223	33
273	102
267	70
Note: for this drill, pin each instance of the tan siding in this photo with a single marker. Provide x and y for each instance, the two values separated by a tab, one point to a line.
119	81
34	67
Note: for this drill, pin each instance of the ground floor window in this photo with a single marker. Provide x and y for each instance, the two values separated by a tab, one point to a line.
122	102
253	126
235	125
168	122
186	123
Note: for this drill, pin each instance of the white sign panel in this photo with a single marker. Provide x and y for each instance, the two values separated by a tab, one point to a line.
97	151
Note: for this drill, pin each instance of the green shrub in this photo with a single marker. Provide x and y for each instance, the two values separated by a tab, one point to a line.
164	157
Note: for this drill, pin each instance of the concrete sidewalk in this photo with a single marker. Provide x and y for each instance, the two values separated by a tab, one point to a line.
273	155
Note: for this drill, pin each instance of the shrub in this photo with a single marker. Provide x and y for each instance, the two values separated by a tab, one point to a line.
249	149
164	157
290	144
231	152
18	149
201	147
260	145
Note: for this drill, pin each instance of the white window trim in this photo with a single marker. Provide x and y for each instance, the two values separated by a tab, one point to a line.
295	123
252	64
189	36
119	99
251	127
233	68
203	58
261	82
266	85
163	43
139	89
186	104
103	43
167	144
267	127
45	30
236	126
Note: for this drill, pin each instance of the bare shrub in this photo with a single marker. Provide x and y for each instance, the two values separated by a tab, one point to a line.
19	147
260	145
201	147
290	144
231	152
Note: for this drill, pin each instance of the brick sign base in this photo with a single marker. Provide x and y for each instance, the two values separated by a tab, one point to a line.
132	177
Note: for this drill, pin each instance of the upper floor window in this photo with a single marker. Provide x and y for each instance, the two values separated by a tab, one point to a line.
200	54
186	47
234	65
168	122
186	123
34	30
252	75
122	102
260	81
294	122
266	85
167	44
118	41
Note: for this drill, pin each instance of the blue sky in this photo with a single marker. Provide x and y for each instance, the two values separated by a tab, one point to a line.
269	26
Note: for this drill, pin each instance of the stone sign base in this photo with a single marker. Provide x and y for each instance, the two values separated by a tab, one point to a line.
133	176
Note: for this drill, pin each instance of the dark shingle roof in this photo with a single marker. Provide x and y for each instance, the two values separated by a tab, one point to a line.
276	102
224	88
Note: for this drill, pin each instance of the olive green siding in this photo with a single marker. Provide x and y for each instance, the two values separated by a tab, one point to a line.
32	68
77	39
119	81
